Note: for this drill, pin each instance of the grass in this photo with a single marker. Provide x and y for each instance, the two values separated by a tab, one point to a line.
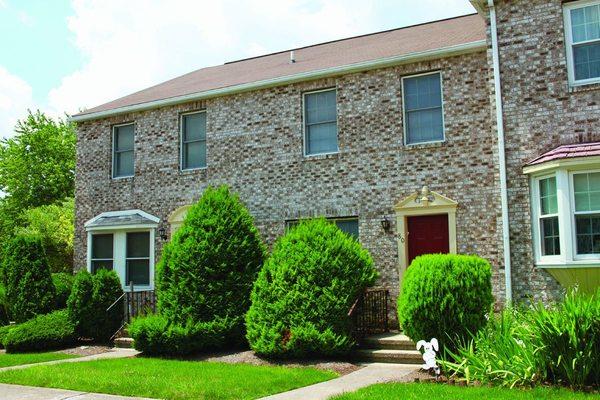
168	379
409	391
9	360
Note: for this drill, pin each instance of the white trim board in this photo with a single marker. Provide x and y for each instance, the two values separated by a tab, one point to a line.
443	52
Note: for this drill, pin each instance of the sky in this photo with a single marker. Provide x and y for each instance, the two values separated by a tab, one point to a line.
62	56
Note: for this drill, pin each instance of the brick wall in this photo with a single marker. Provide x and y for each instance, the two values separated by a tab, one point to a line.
254	144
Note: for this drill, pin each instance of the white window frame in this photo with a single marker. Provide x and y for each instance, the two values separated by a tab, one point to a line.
574	213
337	125
404	124
113	148
92	259
537	219
567	9
181	168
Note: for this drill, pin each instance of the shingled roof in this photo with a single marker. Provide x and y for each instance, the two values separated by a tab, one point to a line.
568	151
455	36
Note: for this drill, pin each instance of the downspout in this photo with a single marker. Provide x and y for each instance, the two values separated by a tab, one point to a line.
501	152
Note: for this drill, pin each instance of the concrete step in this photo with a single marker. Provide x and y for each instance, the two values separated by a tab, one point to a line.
124	342
390	341
389	356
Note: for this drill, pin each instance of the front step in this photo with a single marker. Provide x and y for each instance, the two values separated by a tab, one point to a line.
388	341
124	342
389	356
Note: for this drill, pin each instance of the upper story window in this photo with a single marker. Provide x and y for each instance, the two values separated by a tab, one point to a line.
348	225
423	109
193	140
582	31
320	122
123	164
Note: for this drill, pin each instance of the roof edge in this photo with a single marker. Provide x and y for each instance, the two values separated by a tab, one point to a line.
442	52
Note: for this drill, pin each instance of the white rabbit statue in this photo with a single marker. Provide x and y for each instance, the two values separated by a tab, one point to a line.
429	354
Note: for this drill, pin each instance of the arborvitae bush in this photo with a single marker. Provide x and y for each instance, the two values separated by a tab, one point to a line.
44	332
63	283
445	296
29	287
301	299
90	298
204	278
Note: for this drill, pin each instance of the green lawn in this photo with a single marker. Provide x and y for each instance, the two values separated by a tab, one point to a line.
8	360
409	391
168	379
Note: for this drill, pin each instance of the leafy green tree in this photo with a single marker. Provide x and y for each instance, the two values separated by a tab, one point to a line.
54	224
37	165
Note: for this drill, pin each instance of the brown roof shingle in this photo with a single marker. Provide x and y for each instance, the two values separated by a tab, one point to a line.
568	151
397	42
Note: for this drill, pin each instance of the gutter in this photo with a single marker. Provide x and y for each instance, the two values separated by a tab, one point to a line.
501	153
449	51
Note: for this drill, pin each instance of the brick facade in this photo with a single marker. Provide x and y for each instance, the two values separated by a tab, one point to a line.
254	144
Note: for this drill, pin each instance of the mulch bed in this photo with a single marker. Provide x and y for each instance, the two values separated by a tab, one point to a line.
249	357
83	351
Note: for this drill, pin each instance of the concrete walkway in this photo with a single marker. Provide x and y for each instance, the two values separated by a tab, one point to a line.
114	353
369	375
17	392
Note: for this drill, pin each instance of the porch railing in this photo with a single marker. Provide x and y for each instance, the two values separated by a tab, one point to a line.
369	313
134	303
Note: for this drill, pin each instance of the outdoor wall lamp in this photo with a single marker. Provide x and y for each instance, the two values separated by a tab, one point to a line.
386	224
162	232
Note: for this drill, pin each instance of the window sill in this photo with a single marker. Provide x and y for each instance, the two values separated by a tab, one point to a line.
122	178
584	87
321	156
569	264
425	145
192	171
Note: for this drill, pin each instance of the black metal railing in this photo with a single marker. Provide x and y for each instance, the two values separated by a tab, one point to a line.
134	303
369	313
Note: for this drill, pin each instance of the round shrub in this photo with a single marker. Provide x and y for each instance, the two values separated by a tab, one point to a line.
44	332
205	277
90	298
445	296
302	296
63	283
29	287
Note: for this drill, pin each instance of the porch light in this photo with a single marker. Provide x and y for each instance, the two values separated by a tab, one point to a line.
162	232
386	224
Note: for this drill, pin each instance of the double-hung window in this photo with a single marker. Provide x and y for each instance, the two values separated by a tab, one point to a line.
320	122
548	217
582	31
193	140
137	261
123	158
423	109
586	199
102	252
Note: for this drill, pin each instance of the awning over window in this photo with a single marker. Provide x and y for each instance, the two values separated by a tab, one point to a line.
122	220
564	155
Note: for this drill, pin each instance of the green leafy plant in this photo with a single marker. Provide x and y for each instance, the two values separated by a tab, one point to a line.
3	332
445	296
4	318
301	299
204	278
89	301
29	287
63	283
43	332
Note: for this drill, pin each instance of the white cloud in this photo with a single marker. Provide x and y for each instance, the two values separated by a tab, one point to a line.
15	99
131	45
26	19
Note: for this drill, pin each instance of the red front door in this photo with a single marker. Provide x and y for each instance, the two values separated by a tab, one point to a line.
427	234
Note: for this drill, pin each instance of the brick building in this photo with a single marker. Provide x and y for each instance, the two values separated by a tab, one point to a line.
400	137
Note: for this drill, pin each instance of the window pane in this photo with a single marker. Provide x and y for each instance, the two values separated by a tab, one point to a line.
424	126
321	138
138	244
588	234
550	236
349	226
124	163
548	199
194	155
423	109
422	92
101	264
194	127
320	107
586	58
138	271
124	138
587	191
585	23
102	246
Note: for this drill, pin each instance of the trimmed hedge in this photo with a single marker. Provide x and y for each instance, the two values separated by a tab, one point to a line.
63	283
44	332
302	296
204	279
29	288
445	296
90	298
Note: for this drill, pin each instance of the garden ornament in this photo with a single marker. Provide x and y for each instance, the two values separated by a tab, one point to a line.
429	354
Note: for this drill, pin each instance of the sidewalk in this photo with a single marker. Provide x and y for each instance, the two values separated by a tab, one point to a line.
17	392
369	375
115	353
